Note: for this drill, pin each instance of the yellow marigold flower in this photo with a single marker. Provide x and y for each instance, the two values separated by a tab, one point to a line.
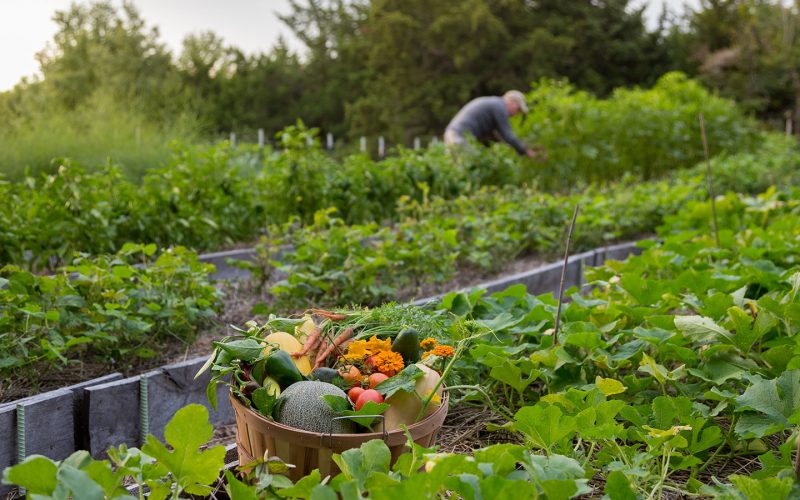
428	343
376	345
388	362
357	350
443	351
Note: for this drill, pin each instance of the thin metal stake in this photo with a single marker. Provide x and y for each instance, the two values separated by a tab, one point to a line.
708	179
21	452
144	410
564	274
20	433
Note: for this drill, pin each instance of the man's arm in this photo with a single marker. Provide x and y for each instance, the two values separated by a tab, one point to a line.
504	127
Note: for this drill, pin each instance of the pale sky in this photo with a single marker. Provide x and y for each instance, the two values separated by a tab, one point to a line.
251	25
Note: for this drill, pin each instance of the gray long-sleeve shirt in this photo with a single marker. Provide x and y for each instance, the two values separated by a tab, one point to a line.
483	115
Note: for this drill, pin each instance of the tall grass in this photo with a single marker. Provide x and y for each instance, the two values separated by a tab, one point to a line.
100	132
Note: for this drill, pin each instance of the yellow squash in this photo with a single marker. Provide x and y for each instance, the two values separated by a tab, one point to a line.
290	344
404	406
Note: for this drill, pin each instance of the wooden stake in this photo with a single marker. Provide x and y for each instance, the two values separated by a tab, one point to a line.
708	179
564	274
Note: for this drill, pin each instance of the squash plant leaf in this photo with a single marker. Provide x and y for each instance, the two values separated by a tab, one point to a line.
193	470
544	426
770	488
358	463
749	330
774	402
618	487
237	489
702	330
37	474
510	374
406	380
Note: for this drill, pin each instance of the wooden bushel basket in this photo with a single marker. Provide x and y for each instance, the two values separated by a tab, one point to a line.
307	451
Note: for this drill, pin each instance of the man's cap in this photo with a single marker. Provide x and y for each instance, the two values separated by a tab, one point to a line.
517	97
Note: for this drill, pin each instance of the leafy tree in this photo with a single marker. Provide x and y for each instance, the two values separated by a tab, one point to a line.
750	51
99	47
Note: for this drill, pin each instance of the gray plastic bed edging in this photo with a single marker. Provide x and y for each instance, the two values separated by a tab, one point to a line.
104	412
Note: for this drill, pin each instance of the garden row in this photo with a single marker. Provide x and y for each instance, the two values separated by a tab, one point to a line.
334	263
104	308
674	364
208	198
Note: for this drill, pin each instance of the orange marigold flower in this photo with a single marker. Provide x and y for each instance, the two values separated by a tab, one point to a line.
428	343
376	345
443	351
388	362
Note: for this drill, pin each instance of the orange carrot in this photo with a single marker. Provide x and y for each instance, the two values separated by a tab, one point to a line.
328	314
323	346
329	348
311	342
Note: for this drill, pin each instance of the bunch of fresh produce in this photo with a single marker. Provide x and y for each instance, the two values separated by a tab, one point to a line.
331	365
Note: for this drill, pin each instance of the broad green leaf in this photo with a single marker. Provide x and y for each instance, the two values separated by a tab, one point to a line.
618	487
748	330
264	400
500	487
193	470
544	426
644	291
650	366
248	349
558	472
123	272
79	482
702	330
609	386
770	488
37	474
358	463
323	492
337	403
406	381
362	418
510	374
502	458
669	410
303	488
239	490
776	399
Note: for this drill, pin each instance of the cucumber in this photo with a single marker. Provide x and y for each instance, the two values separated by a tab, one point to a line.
407	345
324	374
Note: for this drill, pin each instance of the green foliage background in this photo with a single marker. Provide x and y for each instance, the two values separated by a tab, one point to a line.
401	69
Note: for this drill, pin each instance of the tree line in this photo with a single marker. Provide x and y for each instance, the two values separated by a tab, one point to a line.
402	68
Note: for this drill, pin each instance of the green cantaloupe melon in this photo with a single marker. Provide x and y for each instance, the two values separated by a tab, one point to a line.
302	407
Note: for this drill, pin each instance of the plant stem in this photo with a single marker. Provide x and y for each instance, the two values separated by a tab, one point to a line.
564	274
496	408
708	179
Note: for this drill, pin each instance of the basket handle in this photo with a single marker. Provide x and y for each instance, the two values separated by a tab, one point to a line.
385	435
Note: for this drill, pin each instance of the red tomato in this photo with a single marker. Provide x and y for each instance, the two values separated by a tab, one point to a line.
368	395
354	393
376	378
